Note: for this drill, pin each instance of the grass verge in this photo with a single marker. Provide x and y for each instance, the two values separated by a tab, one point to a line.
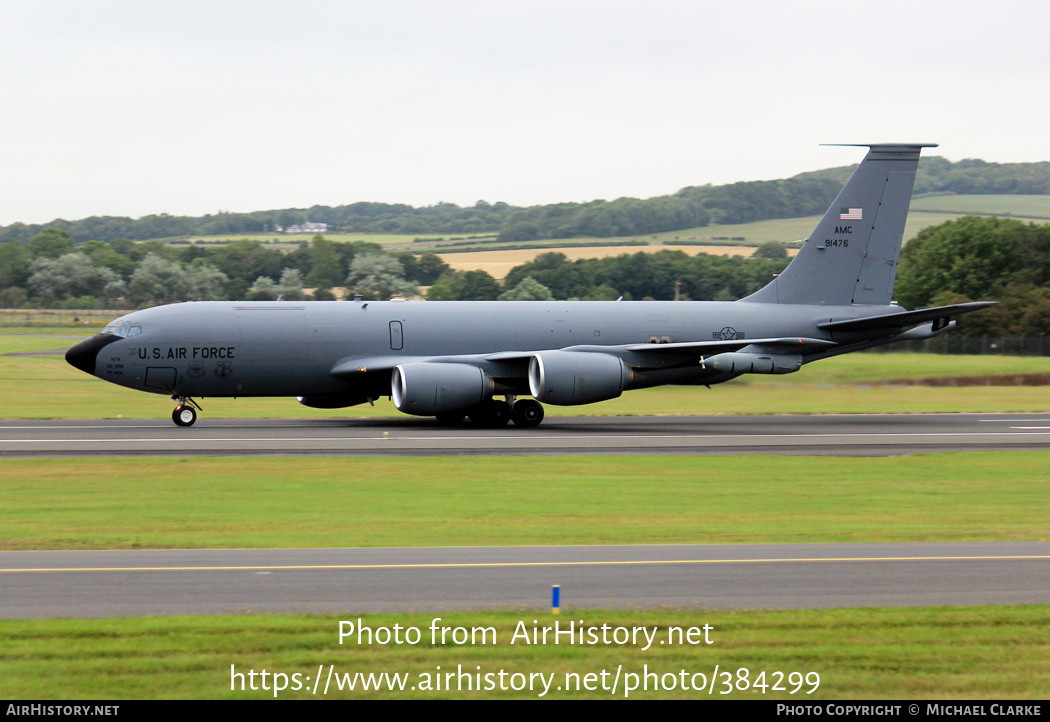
998	652
338	502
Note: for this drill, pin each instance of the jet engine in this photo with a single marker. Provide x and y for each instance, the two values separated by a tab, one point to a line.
567	378
429	389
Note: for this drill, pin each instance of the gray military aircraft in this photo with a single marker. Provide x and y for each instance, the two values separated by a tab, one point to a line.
452	359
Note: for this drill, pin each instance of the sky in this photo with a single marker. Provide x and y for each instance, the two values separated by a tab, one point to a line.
129	108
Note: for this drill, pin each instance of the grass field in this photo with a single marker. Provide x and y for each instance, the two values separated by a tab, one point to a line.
332	502
1024	207
998	652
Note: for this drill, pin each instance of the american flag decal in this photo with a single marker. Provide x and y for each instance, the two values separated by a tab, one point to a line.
851	214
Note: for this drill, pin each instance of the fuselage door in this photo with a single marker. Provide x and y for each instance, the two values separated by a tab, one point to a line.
397	338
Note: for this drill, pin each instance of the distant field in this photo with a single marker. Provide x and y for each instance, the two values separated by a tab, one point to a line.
499	263
1022	207
294	239
793	229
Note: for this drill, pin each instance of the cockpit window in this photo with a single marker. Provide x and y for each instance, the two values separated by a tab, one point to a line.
120	329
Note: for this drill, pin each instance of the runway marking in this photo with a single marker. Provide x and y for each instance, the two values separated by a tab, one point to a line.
531	437
84	426
481	565
1005	420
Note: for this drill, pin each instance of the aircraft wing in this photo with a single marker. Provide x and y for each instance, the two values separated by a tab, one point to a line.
663	355
635	355
792	344
895	321
691	348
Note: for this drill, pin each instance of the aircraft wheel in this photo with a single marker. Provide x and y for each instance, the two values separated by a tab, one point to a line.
452	419
527	413
492	414
183	415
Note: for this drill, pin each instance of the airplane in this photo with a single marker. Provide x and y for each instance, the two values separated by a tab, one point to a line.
453	359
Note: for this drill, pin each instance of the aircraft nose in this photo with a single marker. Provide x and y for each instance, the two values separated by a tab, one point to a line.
84	354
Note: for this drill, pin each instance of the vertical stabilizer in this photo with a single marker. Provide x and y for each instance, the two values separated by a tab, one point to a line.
852	255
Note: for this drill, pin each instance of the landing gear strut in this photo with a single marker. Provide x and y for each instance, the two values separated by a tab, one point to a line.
494	414
491	415
186	412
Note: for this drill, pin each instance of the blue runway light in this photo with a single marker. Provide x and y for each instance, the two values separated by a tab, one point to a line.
555	598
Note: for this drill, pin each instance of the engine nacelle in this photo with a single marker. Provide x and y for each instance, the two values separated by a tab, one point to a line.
755	363
567	378
336	401
428	389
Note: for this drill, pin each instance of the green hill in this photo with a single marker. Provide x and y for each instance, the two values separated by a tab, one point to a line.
693	207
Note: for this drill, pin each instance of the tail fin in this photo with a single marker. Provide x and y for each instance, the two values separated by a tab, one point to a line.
852	255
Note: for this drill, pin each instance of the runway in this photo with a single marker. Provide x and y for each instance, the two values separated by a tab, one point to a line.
843	435
359	581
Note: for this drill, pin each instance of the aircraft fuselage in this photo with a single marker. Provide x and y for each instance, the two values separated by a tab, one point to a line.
290	348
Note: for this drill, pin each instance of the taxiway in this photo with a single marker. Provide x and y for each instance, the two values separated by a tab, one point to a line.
768	576
843	435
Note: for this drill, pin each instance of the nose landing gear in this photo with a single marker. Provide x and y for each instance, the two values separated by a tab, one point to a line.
185	414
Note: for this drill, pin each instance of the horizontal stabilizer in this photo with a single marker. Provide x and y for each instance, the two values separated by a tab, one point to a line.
904	318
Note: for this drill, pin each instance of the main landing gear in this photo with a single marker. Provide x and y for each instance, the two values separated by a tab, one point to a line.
186	412
494	414
527	413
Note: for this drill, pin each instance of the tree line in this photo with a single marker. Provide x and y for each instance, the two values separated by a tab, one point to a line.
691	207
982	259
51	270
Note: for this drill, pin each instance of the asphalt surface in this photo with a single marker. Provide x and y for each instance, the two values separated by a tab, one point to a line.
842	435
359	581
